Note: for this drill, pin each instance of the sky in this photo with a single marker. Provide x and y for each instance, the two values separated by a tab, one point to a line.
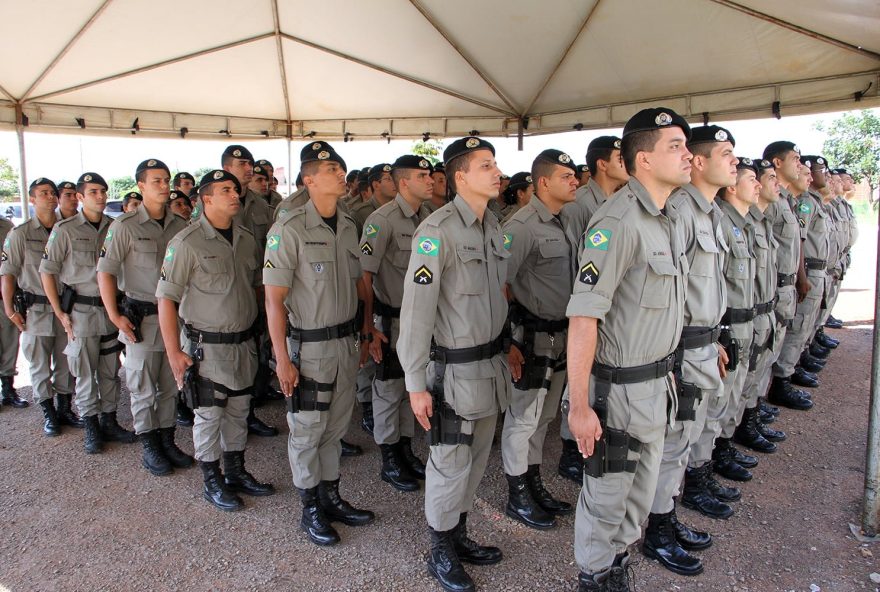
65	157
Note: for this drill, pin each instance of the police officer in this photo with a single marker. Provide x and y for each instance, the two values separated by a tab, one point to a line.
453	319
131	258
178	202
8	345
540	276
183	182
92	348
631	277
132	201
386	246
438	197
43	338
210	270
518	193
260	183
273	198
838	247
583	174
313	282
67	202
351	185
697	370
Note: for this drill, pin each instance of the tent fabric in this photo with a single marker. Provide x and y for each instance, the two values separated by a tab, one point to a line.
405	68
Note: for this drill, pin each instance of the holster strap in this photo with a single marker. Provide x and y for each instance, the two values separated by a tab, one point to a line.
697	337
326	334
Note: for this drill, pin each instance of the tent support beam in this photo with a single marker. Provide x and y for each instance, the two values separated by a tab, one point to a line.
151	67
7	94
445	34
276	21
66	49
797	29
871	512
19	132
562	58
396	74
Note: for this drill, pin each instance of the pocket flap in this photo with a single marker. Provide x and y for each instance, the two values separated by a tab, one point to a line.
550	249
707	243
469	255
319	254
662	266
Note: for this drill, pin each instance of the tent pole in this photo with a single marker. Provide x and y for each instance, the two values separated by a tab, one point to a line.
871	516
289	170
19	131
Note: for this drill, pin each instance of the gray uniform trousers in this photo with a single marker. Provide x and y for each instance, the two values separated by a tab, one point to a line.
700	368
220	429
8	346
764	327
150	382
392	414
50	373
364	381
802	326
564	430
313	447
611	509
733	386
97	374
785	310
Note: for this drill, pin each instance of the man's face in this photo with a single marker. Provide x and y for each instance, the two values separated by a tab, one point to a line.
224	199
132	205
328	179
789	167
524	194
181	207
819	180
846	182
242	168
439	184
747	187
420	184
156	185
615	169
583	178
561	184
273	184
482	178
503	186
67	202
836	185
44	199
803	179
719	168
769	186
386	187
351	186
185	185
259	185
670	162
93	198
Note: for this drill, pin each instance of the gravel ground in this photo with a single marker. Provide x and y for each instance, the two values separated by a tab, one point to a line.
72	522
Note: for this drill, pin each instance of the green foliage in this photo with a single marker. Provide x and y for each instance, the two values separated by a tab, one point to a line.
201	173
854	143
119	186
432	149
9	181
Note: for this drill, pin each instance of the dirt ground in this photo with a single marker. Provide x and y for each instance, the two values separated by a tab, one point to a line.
76	522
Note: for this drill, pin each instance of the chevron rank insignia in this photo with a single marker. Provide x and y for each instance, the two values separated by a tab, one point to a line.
589	274
366	249
162	275
268	265
423	276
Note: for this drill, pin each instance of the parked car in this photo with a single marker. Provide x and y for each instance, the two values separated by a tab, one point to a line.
13	212
113	208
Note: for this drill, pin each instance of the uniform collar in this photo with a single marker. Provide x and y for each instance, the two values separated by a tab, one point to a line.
756	213
597	191
143	216
464	210
404	207
734	215
35	222
697	196
643	196
314	219
543	213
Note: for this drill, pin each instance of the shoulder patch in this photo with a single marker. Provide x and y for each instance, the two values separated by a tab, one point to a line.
109	236
366	248
508	241
589	274
423	276
268	265
428	246
598	239
169	254
371	230
273	242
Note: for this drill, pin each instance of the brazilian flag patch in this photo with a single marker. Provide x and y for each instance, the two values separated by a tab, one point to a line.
423	276
804	208
169	254
109	236
273	242
589	274
598	239
508	241
428	246
371	230
366	249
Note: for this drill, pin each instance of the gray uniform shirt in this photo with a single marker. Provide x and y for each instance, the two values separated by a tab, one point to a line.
812	218
255	215
293	201
765	247
588	199
785	231
740	266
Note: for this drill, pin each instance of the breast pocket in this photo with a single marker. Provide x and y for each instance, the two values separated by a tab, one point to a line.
401	256
471	272
144	253
790	225
85	256
553	260
33	253
738	264
214	276
659	284
705	256
762	250
320	264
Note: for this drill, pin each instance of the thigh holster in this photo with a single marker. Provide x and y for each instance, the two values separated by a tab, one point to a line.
389	368
535	372
689	396
201	392
310	395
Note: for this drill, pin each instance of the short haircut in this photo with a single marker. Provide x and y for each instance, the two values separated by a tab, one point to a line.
542	168
463	164
398	174
780	154
703	149
226	159
595	155
141	176
309	168
637	142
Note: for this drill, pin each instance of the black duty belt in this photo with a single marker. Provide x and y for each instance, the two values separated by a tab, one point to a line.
785	280
464	355
812	263
146	308
765	307
383	310
697	337
737	315
210	337
90	300
326	334
520	315
36	298
636	373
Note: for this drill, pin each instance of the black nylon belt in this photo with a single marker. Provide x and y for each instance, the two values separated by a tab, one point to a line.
738	315
785	280
468	354
634	374
697	337
90	300
147	308
812	263
194	334
36	298
765	307
384	310
326	334
520	315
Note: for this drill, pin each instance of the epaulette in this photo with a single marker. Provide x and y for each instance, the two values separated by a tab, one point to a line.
439	216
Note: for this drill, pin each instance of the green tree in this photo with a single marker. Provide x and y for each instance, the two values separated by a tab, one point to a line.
9	181
120	186
431	149
854	142
201	173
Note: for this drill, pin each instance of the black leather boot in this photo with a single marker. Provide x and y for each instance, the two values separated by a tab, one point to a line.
185	415
111	431
764	417
833	323
522	507
660	544
415	465
470	551
216	491
783	394
92	438
747	433
620	575
803	378
394	471
571	463
314	522
349	449
725	464
810	364
257	427
769	433
239	480
51	426
819	351
65	414
367	423
826	341
688	538
540	494
696	495
154	459
444	564
177	457
721	492
337	509
594	582
9	395
768	408
744	460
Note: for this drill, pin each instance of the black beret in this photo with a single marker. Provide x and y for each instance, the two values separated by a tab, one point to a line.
66	185
840	171
151	164
92	178
582	168
181	176
604	143
318	151
132	195
218	176
439	168
706	134
265	163
553	156
655	118
299	179
377	171
412	161
519	181
775	149
177	195
746	163
238	151
464	146
763	164
814	161
259	170
352	176
43	181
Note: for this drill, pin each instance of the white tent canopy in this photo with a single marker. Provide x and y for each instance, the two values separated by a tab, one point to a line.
403	68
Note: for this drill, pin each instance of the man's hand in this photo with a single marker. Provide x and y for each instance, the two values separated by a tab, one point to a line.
584	425
18	321
723	359
288	376
803	288
179	363
423	408
125	326
67	323
515	360
375	346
